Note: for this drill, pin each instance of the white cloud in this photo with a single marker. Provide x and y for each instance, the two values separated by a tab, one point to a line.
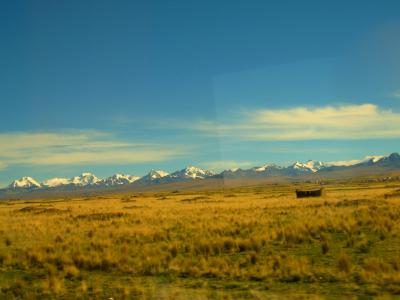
219	165
346	122
79	147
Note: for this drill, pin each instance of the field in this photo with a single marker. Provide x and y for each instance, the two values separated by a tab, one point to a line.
251	243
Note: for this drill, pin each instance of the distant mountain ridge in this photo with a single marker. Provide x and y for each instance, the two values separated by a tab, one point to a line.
83	180
190	173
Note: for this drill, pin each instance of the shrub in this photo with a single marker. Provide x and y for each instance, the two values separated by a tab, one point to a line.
173	250
325	247
253	258
344	262
7	241
71	272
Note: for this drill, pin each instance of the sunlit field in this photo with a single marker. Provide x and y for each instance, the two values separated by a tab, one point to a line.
252	243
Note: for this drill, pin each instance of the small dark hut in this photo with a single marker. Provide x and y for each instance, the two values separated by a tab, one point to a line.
309	193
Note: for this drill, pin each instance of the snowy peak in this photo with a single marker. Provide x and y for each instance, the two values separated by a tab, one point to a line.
314	165
54	182
298	166
310	166
156	174
119	179
191	172
375	159
85	179
266	167
372	159
25	183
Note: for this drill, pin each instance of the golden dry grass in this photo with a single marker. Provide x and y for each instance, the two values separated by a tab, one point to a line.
254	243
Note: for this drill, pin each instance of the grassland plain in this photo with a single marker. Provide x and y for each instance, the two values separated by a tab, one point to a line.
252	243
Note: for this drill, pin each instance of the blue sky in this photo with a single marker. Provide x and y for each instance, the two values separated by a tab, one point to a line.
126	86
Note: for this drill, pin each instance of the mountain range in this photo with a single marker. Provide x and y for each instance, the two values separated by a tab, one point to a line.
191	173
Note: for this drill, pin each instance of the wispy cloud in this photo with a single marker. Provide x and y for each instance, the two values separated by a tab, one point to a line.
219	165
79	147
396	94
345	122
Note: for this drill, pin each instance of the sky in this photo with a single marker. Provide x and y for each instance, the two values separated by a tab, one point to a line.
128	86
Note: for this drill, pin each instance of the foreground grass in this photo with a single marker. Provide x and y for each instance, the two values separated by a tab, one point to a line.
241	243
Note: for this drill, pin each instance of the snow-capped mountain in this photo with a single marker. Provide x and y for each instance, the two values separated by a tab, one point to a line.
154	176
346	163
272	170
24	183
157	174
82	180
119	179
54	182
373	159
191	172
85	179
311	166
